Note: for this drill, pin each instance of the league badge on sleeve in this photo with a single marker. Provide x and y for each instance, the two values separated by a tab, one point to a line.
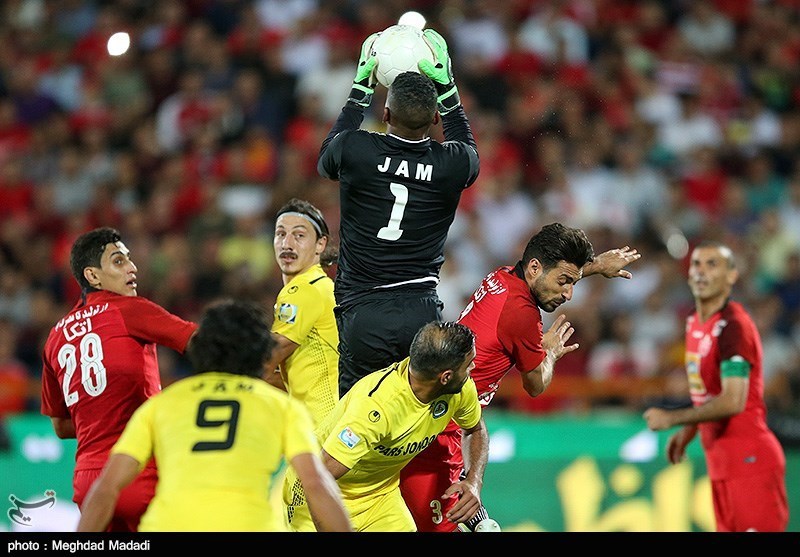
349	438
287	313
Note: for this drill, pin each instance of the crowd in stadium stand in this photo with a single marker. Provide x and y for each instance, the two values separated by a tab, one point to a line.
649	123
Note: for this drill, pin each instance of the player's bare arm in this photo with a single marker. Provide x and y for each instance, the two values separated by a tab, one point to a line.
322	493
64	428
283	349
336	468
612	263
475	447
728	403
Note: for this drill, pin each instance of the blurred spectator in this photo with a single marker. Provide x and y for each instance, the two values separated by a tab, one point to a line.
637	186
693	129
182	114
774	245
651	123
736	215
619	354
781	356
705	29
248	252
550	28
13	374
787	291
476	36
332	81
765	188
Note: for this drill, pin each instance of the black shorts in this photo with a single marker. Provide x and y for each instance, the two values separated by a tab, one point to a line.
376	330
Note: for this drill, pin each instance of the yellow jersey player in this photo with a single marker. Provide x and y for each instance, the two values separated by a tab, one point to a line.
304	326
387	418
219	436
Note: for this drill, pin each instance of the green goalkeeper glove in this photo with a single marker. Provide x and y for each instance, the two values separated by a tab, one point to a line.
441	73
364	82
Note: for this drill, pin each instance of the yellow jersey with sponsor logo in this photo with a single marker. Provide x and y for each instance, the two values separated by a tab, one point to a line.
218	440
380	425
304	315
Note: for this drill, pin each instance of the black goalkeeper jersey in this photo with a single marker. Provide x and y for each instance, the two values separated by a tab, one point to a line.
398	199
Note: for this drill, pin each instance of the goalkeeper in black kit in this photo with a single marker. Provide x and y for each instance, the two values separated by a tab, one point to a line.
399	192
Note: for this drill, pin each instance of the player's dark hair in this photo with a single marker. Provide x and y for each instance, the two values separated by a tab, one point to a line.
233	337
87	251
412	100
556	242
294	205
439	346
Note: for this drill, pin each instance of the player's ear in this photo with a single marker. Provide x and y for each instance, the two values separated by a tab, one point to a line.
436	117
445	376
386	115
733	276
90	274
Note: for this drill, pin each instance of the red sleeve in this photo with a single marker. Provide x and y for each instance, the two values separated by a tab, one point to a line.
735	340
152	323
519	330
53	404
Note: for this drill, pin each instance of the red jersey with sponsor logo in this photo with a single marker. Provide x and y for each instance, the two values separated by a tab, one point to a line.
742	444
507	325
100	365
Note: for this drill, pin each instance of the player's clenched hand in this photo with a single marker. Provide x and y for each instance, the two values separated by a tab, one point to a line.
554	341
612	263
469	501
657	419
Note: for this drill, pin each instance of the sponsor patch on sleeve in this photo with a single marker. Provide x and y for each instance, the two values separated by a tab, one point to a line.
349	438
287	313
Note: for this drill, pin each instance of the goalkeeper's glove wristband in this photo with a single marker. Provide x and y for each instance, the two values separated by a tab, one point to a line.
361	94
448	99
364	82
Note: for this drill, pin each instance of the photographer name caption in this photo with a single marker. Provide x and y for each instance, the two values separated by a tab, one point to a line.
73	546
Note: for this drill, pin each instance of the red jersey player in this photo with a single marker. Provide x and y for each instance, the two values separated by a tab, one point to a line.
745	460
100	364
504	313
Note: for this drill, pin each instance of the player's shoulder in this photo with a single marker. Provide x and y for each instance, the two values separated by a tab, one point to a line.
503	279
128	302
312	283
359	135
734	313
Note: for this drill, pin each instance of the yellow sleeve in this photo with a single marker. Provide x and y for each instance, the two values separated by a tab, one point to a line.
299	436
137	439
297	313
468	413
354	434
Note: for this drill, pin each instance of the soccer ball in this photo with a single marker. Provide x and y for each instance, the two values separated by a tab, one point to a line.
487	525
399	49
